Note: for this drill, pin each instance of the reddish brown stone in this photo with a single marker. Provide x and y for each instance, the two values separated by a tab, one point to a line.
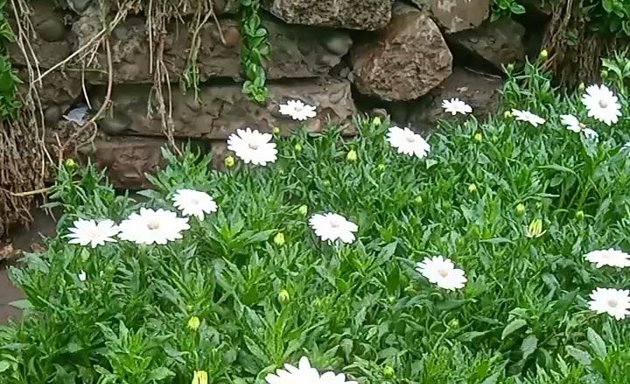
127	159
407	59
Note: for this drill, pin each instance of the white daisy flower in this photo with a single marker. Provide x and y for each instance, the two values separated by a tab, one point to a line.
297	110
442	272
573	124
610	257
82	276
92	232
455	106
615	302
528	117
331	226
194	203
602	104
253	147
151	226
408	142
305	374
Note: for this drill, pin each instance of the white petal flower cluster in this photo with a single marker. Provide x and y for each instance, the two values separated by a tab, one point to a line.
442	272
612	301
305	374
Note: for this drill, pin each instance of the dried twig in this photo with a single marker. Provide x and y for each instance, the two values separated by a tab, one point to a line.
119	17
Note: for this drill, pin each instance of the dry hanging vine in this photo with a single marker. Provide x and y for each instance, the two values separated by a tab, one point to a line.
23	155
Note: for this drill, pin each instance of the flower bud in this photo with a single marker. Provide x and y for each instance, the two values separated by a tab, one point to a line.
510	67
381	167
276	130
418	200
478	137
70	163
507	114
200	377
229	161
298	148
388	372
520	208
535	229
579	215
194	323
278	239
376	120
543	55
453	323
581	87
472	188
352	155
303	210
284	296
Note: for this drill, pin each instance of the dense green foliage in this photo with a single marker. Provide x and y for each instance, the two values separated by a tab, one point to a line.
607	17
359	308
9	104
254	50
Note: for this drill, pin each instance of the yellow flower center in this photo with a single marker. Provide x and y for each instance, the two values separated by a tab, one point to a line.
153	225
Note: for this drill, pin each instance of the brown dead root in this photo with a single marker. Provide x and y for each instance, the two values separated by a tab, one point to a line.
24	160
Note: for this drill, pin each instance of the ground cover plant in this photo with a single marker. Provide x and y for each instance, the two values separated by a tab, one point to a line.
484	252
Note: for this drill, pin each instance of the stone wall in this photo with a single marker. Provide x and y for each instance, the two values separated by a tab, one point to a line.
342	56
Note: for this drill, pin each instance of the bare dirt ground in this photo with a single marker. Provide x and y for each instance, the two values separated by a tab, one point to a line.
21	240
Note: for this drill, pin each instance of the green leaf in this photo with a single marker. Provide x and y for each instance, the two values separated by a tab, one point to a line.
492	379
21	304
347	345
517	9
512	327
529	345
448	305
387	251
470	336
430	163
4	365
581	356
565	302
260	236
558	168
597	343
255	349
160	373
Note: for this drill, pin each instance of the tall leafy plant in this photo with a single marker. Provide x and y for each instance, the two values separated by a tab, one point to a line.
9	103
254	51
